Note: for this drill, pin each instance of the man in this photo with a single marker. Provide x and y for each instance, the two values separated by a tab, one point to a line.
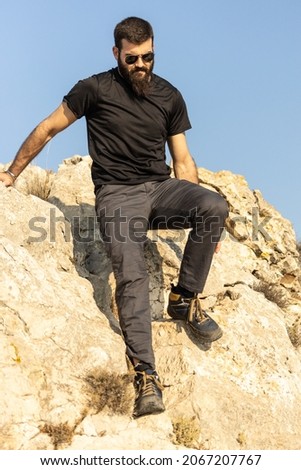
131	114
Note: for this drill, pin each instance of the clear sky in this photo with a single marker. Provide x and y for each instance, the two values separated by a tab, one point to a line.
236	62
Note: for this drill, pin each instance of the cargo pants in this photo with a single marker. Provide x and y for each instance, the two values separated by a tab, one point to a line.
125	214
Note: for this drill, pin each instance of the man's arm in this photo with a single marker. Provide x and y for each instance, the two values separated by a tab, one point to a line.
183	163
61	118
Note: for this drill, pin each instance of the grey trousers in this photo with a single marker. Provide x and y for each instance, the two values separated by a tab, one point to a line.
126	213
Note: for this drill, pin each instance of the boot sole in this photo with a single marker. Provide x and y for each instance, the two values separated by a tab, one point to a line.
150	407
205	339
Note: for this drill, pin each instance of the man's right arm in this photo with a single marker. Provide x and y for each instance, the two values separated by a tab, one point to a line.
56	122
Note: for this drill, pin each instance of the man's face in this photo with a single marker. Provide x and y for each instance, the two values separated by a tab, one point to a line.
137	74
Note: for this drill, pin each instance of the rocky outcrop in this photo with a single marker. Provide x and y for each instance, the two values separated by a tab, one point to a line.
63	374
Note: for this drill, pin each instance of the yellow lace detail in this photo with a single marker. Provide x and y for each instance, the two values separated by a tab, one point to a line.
147	383
195	310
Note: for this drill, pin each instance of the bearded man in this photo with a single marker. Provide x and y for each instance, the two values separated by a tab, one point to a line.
131	115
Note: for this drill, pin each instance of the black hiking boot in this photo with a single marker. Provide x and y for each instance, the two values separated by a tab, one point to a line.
148	389
189	310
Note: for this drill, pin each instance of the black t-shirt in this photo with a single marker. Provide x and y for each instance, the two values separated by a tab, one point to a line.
127	134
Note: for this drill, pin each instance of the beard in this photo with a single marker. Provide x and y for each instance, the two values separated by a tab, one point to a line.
140	83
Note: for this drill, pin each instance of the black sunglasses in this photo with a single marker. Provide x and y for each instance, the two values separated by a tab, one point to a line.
131	59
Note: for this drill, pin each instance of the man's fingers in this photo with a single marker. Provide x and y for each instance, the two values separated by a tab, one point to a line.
218	247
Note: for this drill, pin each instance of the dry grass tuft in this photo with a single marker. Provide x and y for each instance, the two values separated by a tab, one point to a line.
59	434
109	389
186	432
38	186
272	292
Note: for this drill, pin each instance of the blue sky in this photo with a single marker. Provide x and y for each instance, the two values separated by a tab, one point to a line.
236	62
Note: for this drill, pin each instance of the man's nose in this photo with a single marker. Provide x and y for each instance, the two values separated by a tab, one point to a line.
140	62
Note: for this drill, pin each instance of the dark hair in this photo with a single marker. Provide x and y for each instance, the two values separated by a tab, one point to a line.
133	29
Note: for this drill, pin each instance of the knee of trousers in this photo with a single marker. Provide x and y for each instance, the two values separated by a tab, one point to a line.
216	206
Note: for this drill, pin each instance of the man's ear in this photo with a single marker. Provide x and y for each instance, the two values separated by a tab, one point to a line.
115	52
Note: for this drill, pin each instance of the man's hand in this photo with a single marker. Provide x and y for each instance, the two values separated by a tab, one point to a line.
7	179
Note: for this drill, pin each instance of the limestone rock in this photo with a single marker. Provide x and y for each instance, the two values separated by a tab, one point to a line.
59	326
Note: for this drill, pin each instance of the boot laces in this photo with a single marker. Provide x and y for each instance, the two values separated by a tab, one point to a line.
195	310
148	383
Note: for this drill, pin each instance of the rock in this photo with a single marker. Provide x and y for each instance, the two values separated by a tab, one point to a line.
59	326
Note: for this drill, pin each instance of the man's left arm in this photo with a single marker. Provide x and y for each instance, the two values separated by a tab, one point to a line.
183	163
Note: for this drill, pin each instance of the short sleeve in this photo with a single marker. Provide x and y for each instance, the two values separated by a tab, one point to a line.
82	98
179	120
